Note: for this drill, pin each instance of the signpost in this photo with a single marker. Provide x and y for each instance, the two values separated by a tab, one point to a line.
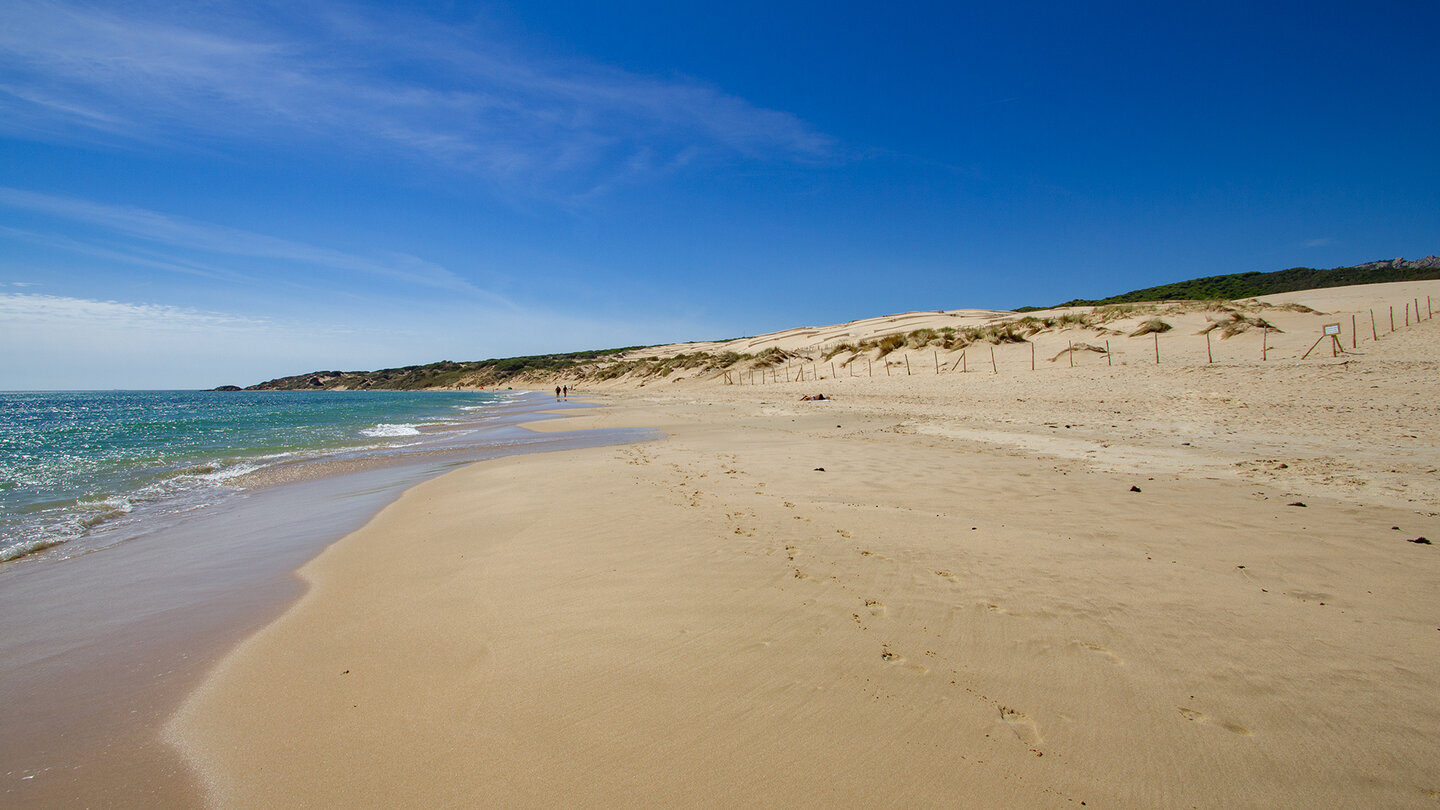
1332	331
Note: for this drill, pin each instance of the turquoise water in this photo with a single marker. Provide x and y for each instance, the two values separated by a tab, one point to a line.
73	464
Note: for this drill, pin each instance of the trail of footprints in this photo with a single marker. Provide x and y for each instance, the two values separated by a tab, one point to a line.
744	524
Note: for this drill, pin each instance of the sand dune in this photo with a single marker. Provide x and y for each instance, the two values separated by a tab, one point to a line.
1363	313
1125	583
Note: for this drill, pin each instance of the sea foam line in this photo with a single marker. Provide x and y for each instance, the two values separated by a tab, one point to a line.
383	430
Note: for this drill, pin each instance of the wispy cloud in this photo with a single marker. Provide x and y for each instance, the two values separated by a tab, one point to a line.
399	85
181	234
1324	241
134	255
29	310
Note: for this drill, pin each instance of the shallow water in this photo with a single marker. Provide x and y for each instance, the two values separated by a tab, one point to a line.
98	647
92	468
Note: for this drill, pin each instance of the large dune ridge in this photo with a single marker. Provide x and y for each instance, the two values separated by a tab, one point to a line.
1122	583
1363	313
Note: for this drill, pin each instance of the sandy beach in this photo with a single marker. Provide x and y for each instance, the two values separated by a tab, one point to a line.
1121	584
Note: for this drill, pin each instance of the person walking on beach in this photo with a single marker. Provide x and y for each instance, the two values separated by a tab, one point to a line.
557	393
565	392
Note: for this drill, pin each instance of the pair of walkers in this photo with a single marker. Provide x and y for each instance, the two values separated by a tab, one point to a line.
562	392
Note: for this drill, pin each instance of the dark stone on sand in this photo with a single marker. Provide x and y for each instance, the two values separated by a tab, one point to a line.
1134	489
819	469
1422	541
1296	503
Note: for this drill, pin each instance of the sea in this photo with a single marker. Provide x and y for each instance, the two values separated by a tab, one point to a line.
82	470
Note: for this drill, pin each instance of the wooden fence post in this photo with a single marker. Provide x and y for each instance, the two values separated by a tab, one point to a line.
1374	335
1157	347
907	365
1109	359
1354	338
1209	354
1392	317
993	368
1071	343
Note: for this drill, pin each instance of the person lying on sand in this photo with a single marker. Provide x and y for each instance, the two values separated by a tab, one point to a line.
812	397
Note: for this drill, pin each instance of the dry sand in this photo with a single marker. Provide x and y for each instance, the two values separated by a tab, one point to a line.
1015	589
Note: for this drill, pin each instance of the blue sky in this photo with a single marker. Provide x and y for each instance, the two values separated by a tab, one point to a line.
194	194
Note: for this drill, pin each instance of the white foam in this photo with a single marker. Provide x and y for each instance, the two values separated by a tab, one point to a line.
390	430
18	550
106	508
227	473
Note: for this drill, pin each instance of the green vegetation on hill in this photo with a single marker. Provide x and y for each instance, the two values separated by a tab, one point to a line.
603	364
445	374
1235	286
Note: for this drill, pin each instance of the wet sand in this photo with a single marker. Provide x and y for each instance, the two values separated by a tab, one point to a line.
99	649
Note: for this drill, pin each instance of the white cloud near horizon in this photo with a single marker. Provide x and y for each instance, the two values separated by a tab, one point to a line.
58	342
398	84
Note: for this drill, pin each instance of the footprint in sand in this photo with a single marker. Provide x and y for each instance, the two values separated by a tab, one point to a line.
892	657
1200	717
1023	726
1104	653
877	608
